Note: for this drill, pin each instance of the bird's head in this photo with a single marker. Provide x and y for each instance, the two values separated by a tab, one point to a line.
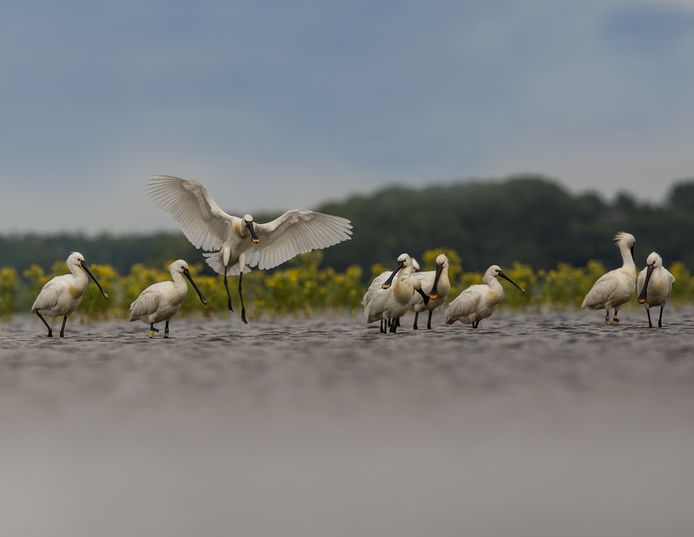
248	222
404	260
496	271
654	260
181	267
76	259
625	240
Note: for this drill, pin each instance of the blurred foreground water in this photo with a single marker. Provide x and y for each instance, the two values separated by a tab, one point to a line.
529	426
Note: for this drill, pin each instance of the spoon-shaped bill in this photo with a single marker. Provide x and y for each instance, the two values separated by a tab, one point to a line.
434	294
86	269
505	277
186	273
643	296
254	236
389	281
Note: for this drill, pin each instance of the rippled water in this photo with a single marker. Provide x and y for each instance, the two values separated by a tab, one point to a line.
530	425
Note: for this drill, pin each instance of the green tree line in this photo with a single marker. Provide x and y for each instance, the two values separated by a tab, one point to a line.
529	219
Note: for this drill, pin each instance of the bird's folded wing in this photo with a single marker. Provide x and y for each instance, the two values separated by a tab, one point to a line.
202	221
145	304
296	232
49	295
465	303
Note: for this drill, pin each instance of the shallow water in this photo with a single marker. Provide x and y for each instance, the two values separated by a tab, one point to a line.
530	426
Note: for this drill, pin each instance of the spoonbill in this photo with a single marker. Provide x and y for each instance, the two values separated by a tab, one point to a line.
238	244
161	301
617	286
380	280
391	300
477	302
62	294
655	282
432	289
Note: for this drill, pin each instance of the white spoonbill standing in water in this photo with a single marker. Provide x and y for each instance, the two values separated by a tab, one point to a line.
655	282
61	295
161	301
432	289
477	302
616	287
239	244
388	302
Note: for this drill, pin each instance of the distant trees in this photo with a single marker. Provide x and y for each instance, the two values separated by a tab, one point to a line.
529	219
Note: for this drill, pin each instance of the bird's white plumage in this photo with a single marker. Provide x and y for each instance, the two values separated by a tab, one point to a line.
659	284
296	232
202	221
208	227
161	301
425	282
380	280
394	301
62	295
616	287
477	302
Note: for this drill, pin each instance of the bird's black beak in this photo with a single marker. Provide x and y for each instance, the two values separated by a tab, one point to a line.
254	236
186	273
502	274
643	296
83	264
434	294
389	281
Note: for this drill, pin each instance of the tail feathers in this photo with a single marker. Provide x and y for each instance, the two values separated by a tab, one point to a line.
216	262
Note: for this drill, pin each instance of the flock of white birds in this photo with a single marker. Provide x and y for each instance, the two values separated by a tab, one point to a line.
235	245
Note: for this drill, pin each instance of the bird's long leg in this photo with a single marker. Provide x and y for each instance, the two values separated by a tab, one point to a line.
607	316
226	286
393	326
416	316
62	328
397	322
615	319
429	320
152	330
380	327
648	312
475	324
50	331
660	317
166	329
243	308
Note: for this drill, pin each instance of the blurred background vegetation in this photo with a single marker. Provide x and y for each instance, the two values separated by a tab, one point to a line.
529	219
303	287
553	242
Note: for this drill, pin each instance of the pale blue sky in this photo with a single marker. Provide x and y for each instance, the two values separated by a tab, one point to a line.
285	104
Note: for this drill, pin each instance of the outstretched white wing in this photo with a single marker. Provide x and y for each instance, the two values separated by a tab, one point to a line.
296	232
202	221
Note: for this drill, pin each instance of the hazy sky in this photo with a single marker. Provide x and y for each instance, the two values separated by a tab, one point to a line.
283	104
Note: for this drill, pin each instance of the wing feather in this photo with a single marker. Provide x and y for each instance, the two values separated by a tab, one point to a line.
202	221
296	232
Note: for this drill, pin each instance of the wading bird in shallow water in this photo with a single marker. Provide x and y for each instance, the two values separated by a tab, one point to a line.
655	283
477	302
161	301
61	295
617	286
239	244
392	300
432	289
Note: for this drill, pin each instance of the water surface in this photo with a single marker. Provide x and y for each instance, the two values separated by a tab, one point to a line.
531	425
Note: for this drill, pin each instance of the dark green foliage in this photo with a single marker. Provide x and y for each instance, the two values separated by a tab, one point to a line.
527	218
